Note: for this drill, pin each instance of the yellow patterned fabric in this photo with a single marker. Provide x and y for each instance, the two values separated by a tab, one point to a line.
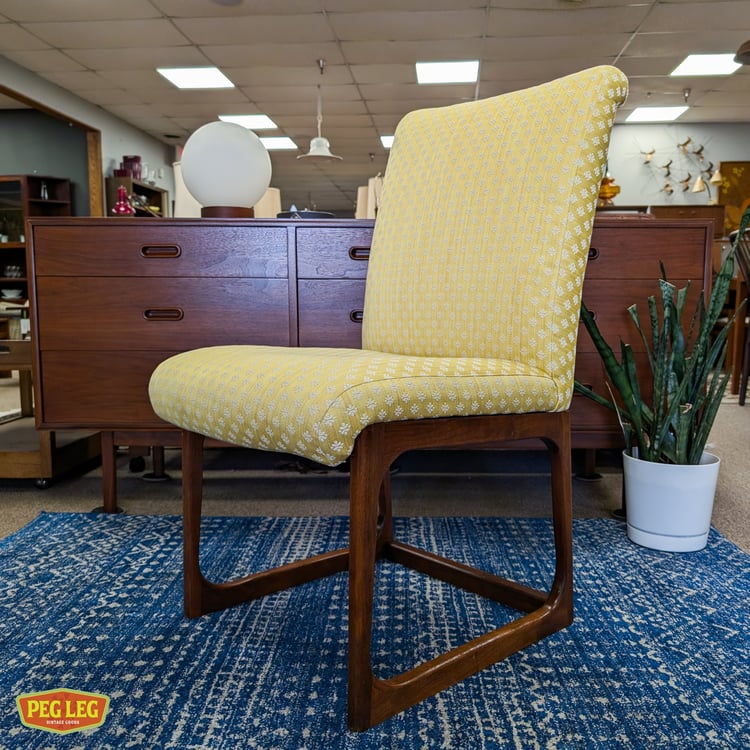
473	287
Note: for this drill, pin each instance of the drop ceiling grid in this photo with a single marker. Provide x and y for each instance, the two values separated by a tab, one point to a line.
106	51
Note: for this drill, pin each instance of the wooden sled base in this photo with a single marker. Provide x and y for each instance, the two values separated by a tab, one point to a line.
372	700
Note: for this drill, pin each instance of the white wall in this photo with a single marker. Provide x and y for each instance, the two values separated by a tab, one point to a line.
118	137
641	183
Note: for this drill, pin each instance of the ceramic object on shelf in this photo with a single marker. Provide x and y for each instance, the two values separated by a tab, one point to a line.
123	206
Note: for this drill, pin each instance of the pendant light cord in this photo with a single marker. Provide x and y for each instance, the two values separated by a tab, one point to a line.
320	111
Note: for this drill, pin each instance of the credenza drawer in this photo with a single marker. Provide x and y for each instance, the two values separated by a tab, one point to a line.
634	252
333	253
114	391
590	369
608	300
330	312
150	313
588	415
160	250
590	372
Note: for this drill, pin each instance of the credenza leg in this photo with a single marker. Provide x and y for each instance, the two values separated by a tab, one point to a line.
588	472
109	474
158	474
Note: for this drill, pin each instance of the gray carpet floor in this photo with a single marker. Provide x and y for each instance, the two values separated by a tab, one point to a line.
501	483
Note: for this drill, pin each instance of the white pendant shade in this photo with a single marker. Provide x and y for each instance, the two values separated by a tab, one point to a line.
320	147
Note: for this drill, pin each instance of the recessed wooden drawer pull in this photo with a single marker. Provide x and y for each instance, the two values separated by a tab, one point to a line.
4	350
357	316
161	251
163	313
593	253
359	253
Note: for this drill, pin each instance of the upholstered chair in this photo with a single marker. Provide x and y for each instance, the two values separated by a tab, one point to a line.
469	338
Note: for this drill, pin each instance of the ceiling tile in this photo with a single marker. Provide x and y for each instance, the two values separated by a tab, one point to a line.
25	11
308	76
204	9
386	52
246	30
138	58
281	54
408	25
698	16
98	34
42	61
14	37
566	20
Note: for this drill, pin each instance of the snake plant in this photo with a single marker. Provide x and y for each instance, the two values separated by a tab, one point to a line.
671	423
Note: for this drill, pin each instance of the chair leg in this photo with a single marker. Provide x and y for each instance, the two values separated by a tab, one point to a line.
366	498
372	700
201	595
385	513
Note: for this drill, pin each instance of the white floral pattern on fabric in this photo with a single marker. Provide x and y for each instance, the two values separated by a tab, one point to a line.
473	288
314	402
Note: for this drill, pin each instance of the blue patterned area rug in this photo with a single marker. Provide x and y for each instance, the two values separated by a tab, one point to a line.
658	656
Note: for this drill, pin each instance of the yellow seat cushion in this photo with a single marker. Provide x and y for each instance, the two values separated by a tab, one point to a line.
315	401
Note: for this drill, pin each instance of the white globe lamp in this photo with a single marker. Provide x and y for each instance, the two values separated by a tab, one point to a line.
226	168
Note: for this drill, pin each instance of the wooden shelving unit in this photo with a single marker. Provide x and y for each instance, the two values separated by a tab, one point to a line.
27	453
157	199
22	196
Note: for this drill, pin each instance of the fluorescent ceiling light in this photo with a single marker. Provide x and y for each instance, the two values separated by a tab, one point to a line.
196	78
386	140
707	65
251	122
279	143
461	71
655	114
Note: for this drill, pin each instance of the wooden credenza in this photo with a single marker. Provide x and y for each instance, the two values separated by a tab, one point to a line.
111	298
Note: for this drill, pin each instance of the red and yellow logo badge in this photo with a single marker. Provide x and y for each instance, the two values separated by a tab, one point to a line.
62	711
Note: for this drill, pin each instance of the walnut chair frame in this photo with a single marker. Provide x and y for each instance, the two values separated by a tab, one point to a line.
373	700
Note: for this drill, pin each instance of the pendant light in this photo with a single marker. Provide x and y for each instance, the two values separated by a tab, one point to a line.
319	146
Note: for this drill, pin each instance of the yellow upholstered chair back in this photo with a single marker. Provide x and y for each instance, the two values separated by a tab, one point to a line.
484	225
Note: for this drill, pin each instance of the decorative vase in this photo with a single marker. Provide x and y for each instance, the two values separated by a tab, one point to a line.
122	207
669	506
133	166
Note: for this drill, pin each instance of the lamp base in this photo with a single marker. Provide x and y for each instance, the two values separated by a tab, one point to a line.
227	212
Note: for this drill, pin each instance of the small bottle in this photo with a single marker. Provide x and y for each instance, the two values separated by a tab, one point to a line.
43	192
122	207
